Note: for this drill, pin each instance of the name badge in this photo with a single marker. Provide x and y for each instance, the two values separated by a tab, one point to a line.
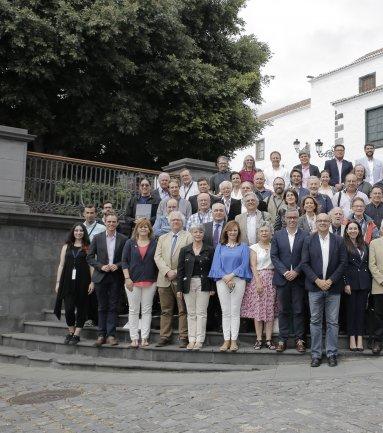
74	274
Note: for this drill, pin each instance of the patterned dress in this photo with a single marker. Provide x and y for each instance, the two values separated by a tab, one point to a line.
261	306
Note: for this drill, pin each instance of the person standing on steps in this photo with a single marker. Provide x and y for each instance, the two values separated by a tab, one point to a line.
166	258
140	273
105	257
286	256
231	270
73	282
324	257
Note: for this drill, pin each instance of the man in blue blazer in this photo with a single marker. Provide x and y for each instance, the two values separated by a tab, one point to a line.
338	168
296	183
324	257
286	253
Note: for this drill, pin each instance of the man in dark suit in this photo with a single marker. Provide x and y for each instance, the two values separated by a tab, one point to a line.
323	200
232	205
211	237
338	168
105	257
324	258
305	167
145	198
286	255
203	186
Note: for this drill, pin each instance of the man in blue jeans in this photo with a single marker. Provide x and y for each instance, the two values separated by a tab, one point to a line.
324	257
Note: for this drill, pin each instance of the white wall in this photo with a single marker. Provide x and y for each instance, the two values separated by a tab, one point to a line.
309	124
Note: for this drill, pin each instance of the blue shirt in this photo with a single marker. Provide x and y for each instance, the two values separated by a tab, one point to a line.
231	261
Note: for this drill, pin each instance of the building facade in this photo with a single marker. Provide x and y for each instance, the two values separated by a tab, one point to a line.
345	106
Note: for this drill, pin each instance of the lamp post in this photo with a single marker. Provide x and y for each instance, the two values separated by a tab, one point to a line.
318	147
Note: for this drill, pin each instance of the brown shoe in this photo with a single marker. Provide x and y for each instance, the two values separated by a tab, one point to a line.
300	346
233	346
100	341
225	346
112	341
183	343
280	347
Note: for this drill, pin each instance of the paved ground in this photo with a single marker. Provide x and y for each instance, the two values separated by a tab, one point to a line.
348	398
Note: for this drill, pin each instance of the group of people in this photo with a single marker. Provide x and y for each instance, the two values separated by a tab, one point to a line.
250	244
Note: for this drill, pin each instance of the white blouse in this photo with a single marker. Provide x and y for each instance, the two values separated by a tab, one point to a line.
263	257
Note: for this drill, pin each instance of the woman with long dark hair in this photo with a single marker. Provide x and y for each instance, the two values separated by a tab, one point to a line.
73	283
357	280
309	208
290	201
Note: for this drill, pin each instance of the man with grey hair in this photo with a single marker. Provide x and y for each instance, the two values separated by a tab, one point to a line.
344	198
323	200
232	205
162	192
162	225
223	174
337	216
204	213
247	187
166	258
250	220
184	206
188	186
305	167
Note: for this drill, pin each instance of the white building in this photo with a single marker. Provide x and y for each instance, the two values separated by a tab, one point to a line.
346	106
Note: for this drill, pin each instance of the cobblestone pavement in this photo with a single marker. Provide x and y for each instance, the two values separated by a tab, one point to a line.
348	398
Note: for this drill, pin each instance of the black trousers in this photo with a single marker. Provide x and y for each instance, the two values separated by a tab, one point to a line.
291	298
92	308
75	312
356	311
378	317
108	295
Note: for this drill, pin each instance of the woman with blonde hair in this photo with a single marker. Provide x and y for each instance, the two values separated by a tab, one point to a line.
248	169
140	274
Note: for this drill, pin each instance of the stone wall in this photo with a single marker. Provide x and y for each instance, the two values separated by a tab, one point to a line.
30	246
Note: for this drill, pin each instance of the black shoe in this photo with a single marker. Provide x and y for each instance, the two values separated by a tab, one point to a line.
183	343
68	338
163	342
376	348
316	362
332	361
75	340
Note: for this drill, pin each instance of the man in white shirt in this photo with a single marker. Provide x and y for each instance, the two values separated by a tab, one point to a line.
344	198
162	192
324	258
373	167
276	170
90	223
188	186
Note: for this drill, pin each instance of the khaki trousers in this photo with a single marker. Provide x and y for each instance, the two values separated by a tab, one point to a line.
168	299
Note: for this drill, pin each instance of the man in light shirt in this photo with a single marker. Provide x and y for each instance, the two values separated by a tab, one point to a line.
344	198
184	206
373	166
324	258
204	214
188	186
92	226
276	170
162	192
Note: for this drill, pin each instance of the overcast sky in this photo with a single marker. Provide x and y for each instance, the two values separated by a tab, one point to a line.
309	37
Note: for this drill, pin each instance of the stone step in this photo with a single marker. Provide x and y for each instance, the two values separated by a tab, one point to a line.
58	328
208	355
30	358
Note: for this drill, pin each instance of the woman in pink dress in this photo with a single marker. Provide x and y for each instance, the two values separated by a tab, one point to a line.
248	170
259	300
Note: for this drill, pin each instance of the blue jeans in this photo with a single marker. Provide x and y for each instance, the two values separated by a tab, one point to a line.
329	302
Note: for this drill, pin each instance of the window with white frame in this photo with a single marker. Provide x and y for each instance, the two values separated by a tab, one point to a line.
374	126
260	149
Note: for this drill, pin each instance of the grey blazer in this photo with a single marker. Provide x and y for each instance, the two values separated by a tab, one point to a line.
303	224
98	256
377	171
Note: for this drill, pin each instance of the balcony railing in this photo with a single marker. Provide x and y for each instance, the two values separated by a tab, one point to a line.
61	185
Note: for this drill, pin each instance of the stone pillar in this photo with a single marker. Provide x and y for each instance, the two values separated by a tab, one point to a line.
13	156
197	167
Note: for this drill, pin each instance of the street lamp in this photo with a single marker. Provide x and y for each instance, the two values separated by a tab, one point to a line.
328	153
297	146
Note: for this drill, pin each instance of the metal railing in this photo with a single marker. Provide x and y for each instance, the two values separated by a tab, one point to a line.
60	185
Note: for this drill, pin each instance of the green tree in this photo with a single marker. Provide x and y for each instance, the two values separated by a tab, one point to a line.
138	82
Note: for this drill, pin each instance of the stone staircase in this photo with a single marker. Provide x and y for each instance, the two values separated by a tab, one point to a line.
41	344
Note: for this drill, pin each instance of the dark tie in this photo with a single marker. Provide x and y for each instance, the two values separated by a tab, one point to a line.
174	241
216	235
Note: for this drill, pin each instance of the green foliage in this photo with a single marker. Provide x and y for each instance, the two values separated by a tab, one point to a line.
138	82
